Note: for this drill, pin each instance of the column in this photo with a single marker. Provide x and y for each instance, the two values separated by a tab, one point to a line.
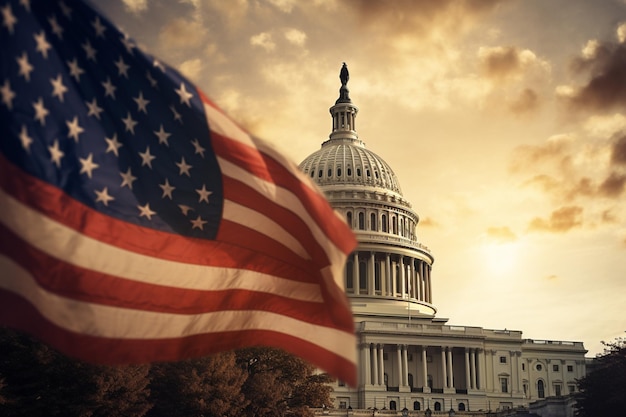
481	369
375	380
425	370
421	280
426	284
473	363
430	285
388	274
450	367
443	367
515	371
490	369
467	369
400	377
356	281
405	363
394	281
402	268
365	354
370	275
381	364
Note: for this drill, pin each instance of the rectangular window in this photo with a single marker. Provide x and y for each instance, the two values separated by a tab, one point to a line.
502	359
570	368
555	368
504	384
343	405
523	367
557	390
571	388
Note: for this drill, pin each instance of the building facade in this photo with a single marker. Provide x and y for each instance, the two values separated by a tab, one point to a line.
409	357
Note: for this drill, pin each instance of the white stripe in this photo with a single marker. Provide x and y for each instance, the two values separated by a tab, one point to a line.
115	322
62	242
291	202
262	224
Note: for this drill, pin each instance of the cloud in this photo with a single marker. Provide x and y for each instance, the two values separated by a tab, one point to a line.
613	185
501	234
263	40
603	63
136	6
295	36
192	68
561	220
182	33
501	63
618	151
555	150
428	222
285	6
527	101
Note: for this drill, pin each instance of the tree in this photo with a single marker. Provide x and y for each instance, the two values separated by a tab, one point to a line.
280	384
209	387
603	390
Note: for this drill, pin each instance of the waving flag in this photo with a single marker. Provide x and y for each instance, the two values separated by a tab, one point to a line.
138	222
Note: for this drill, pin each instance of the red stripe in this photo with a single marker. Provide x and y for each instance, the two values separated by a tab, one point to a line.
85	285
267	168
123	351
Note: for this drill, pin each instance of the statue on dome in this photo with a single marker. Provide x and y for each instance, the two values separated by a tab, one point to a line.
344	75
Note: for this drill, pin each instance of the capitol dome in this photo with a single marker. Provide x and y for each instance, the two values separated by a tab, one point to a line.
390	271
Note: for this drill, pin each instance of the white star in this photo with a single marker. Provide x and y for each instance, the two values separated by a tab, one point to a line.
159	65
146	158
89	51
74	129
185	209
144	211
122	68
56	28
183	94
167	189
25	139
40	111
98	27
163	135
103	196
25	67
177	115
8	18
87	165
42	44
130	124
198	223
184	167
141	103
26	4
55	153
153	82
127	178
128	44
199	149
58	89
109	88
204	194
94	109
113	145
75	70
7	94
66	10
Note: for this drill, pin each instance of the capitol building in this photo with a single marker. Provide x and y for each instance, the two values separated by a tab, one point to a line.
408	357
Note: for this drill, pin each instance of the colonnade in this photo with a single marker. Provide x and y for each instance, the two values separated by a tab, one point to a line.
373	273
375	367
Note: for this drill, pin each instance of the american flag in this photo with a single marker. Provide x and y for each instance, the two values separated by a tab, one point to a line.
138	222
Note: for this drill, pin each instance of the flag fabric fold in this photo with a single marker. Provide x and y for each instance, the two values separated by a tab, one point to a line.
138	222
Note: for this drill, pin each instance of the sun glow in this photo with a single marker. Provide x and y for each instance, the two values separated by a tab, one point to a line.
501	258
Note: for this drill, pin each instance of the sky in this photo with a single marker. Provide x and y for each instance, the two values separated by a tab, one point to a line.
503	120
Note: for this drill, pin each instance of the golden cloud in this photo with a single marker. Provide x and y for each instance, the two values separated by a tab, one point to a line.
560	221
527	101
501	234
182	33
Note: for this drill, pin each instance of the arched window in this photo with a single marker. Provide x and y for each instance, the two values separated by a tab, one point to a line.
384	222
437	406
362	275
461	406
349	275
330	172
349	171
373	221
339	171
320	173
417	405
394	225
349	219
401	226
541	392
377	274
392	405
361	221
